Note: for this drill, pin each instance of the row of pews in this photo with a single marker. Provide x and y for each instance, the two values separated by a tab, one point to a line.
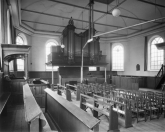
148	103
119	106
60	114
124	104
88	89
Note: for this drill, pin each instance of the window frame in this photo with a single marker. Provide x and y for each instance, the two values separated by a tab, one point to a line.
24	39
149	52
49	68
113	46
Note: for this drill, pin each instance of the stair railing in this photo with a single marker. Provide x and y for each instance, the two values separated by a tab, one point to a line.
160	74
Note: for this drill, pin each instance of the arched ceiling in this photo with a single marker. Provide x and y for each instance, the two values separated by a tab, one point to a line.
53	15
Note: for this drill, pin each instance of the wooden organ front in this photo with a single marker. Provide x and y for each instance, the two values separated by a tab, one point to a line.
72	53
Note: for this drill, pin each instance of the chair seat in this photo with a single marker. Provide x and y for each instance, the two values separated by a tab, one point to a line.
138	110
154	108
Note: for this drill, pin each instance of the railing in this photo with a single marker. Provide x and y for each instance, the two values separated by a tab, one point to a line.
159	76
161	71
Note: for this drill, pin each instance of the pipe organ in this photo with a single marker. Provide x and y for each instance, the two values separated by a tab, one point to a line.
71	54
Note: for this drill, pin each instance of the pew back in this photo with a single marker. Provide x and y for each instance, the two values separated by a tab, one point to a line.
67	116
33	114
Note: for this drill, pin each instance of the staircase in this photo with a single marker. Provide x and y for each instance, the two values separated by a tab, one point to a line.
160	77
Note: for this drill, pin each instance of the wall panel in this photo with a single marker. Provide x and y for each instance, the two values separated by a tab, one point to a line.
128	82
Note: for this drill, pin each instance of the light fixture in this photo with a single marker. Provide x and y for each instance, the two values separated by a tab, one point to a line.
62	46
116	12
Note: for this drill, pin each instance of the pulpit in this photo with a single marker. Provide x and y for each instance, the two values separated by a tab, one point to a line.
11	52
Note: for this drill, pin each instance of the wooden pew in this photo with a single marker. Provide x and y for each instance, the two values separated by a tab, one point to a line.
33	114
67	116
4	97
121	105
39	93
67	91
76	90
85	102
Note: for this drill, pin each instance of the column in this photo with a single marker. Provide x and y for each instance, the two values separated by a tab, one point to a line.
105	74
26	66
52	75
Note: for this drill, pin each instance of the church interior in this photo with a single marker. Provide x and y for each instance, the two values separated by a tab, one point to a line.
82	65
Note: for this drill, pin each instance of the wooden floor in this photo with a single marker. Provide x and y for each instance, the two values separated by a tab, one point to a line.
14	121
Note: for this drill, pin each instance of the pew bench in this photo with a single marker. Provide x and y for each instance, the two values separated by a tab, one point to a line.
4	97
121	106
68	117
85	102
76	90
33	114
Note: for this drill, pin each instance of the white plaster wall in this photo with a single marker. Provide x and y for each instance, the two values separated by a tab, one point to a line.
134	54
38	57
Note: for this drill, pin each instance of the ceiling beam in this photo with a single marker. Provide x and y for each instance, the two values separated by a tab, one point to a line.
85	8
61	26
48	24
46	31
73	19
151	3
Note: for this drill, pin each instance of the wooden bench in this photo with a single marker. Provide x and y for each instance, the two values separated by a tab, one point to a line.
67	116
4	97
93	104
77	91
65	90
33	114
125	121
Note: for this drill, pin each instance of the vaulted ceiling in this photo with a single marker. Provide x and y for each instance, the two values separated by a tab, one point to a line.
52	16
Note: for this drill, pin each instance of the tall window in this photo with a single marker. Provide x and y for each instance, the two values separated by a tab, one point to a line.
118	58
156	56
48	51
20	40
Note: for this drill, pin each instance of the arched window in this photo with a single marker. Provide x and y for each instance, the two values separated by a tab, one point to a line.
21	40
118	58
156	55
48	51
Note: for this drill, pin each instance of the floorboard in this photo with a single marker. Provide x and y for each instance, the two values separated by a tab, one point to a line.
14	121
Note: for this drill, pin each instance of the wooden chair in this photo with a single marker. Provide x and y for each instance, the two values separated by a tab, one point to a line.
137	107
151	107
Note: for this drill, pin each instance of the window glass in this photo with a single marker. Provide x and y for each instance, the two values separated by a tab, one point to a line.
20	62
48	51
156	55
118	58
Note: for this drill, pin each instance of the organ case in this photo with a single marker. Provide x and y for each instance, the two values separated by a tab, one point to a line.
72	53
